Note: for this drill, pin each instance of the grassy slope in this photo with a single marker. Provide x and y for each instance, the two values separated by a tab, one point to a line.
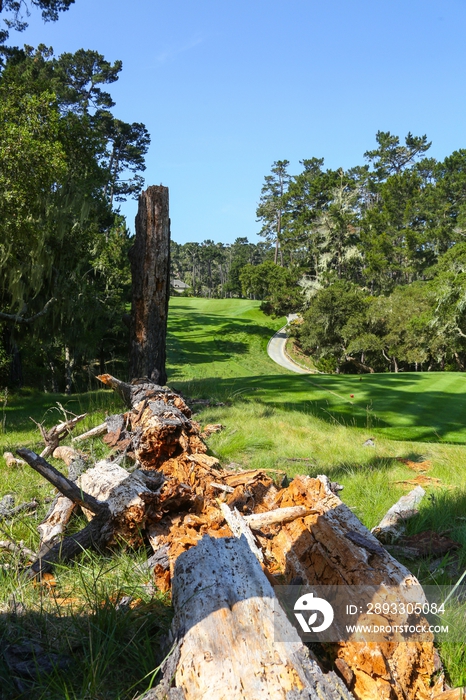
274	418
217	349
219	338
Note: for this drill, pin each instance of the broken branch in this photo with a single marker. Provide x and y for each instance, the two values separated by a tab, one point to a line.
94	432
16	318
257	521
65	486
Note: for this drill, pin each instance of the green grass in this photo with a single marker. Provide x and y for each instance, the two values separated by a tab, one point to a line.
110	652
218	338
273	419
217	348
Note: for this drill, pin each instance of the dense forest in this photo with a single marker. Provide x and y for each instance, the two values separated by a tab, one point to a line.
373	257
66	161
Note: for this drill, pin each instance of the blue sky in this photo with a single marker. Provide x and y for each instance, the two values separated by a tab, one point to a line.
226	87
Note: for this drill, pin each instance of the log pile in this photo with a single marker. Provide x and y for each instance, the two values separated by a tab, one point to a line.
241	533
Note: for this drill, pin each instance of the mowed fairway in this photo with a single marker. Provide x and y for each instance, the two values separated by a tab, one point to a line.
218	348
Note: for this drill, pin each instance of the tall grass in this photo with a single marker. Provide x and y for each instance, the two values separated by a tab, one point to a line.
102	623
272	419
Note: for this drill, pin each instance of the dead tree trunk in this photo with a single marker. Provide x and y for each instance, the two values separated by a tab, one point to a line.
331	547
227	619
150	273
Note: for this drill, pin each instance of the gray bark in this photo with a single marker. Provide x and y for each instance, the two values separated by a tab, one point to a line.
226	620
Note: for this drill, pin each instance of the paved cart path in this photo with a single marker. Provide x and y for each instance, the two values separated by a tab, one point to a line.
276	350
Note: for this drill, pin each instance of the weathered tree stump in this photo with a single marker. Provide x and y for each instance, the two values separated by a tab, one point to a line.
150	274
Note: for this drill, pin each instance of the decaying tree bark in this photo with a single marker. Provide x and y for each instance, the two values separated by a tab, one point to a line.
178	494
54	524
332	547
150	274
226	620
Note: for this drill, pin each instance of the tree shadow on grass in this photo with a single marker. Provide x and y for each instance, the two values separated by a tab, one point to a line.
112	650
398	408
202	338
43	408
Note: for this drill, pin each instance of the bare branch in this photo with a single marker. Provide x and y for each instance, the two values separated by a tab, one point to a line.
16	318
65	486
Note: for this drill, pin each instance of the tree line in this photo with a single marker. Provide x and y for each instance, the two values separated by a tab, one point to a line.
66	161
374	257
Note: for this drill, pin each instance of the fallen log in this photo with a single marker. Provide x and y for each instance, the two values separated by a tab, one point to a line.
226	620
391	526
302	533
332	547
138	390
160	419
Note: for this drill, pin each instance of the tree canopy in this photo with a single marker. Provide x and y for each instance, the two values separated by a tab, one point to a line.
372	257
17	10
65	159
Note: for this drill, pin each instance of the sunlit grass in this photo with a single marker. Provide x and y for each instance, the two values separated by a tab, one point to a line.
217	348
272	420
